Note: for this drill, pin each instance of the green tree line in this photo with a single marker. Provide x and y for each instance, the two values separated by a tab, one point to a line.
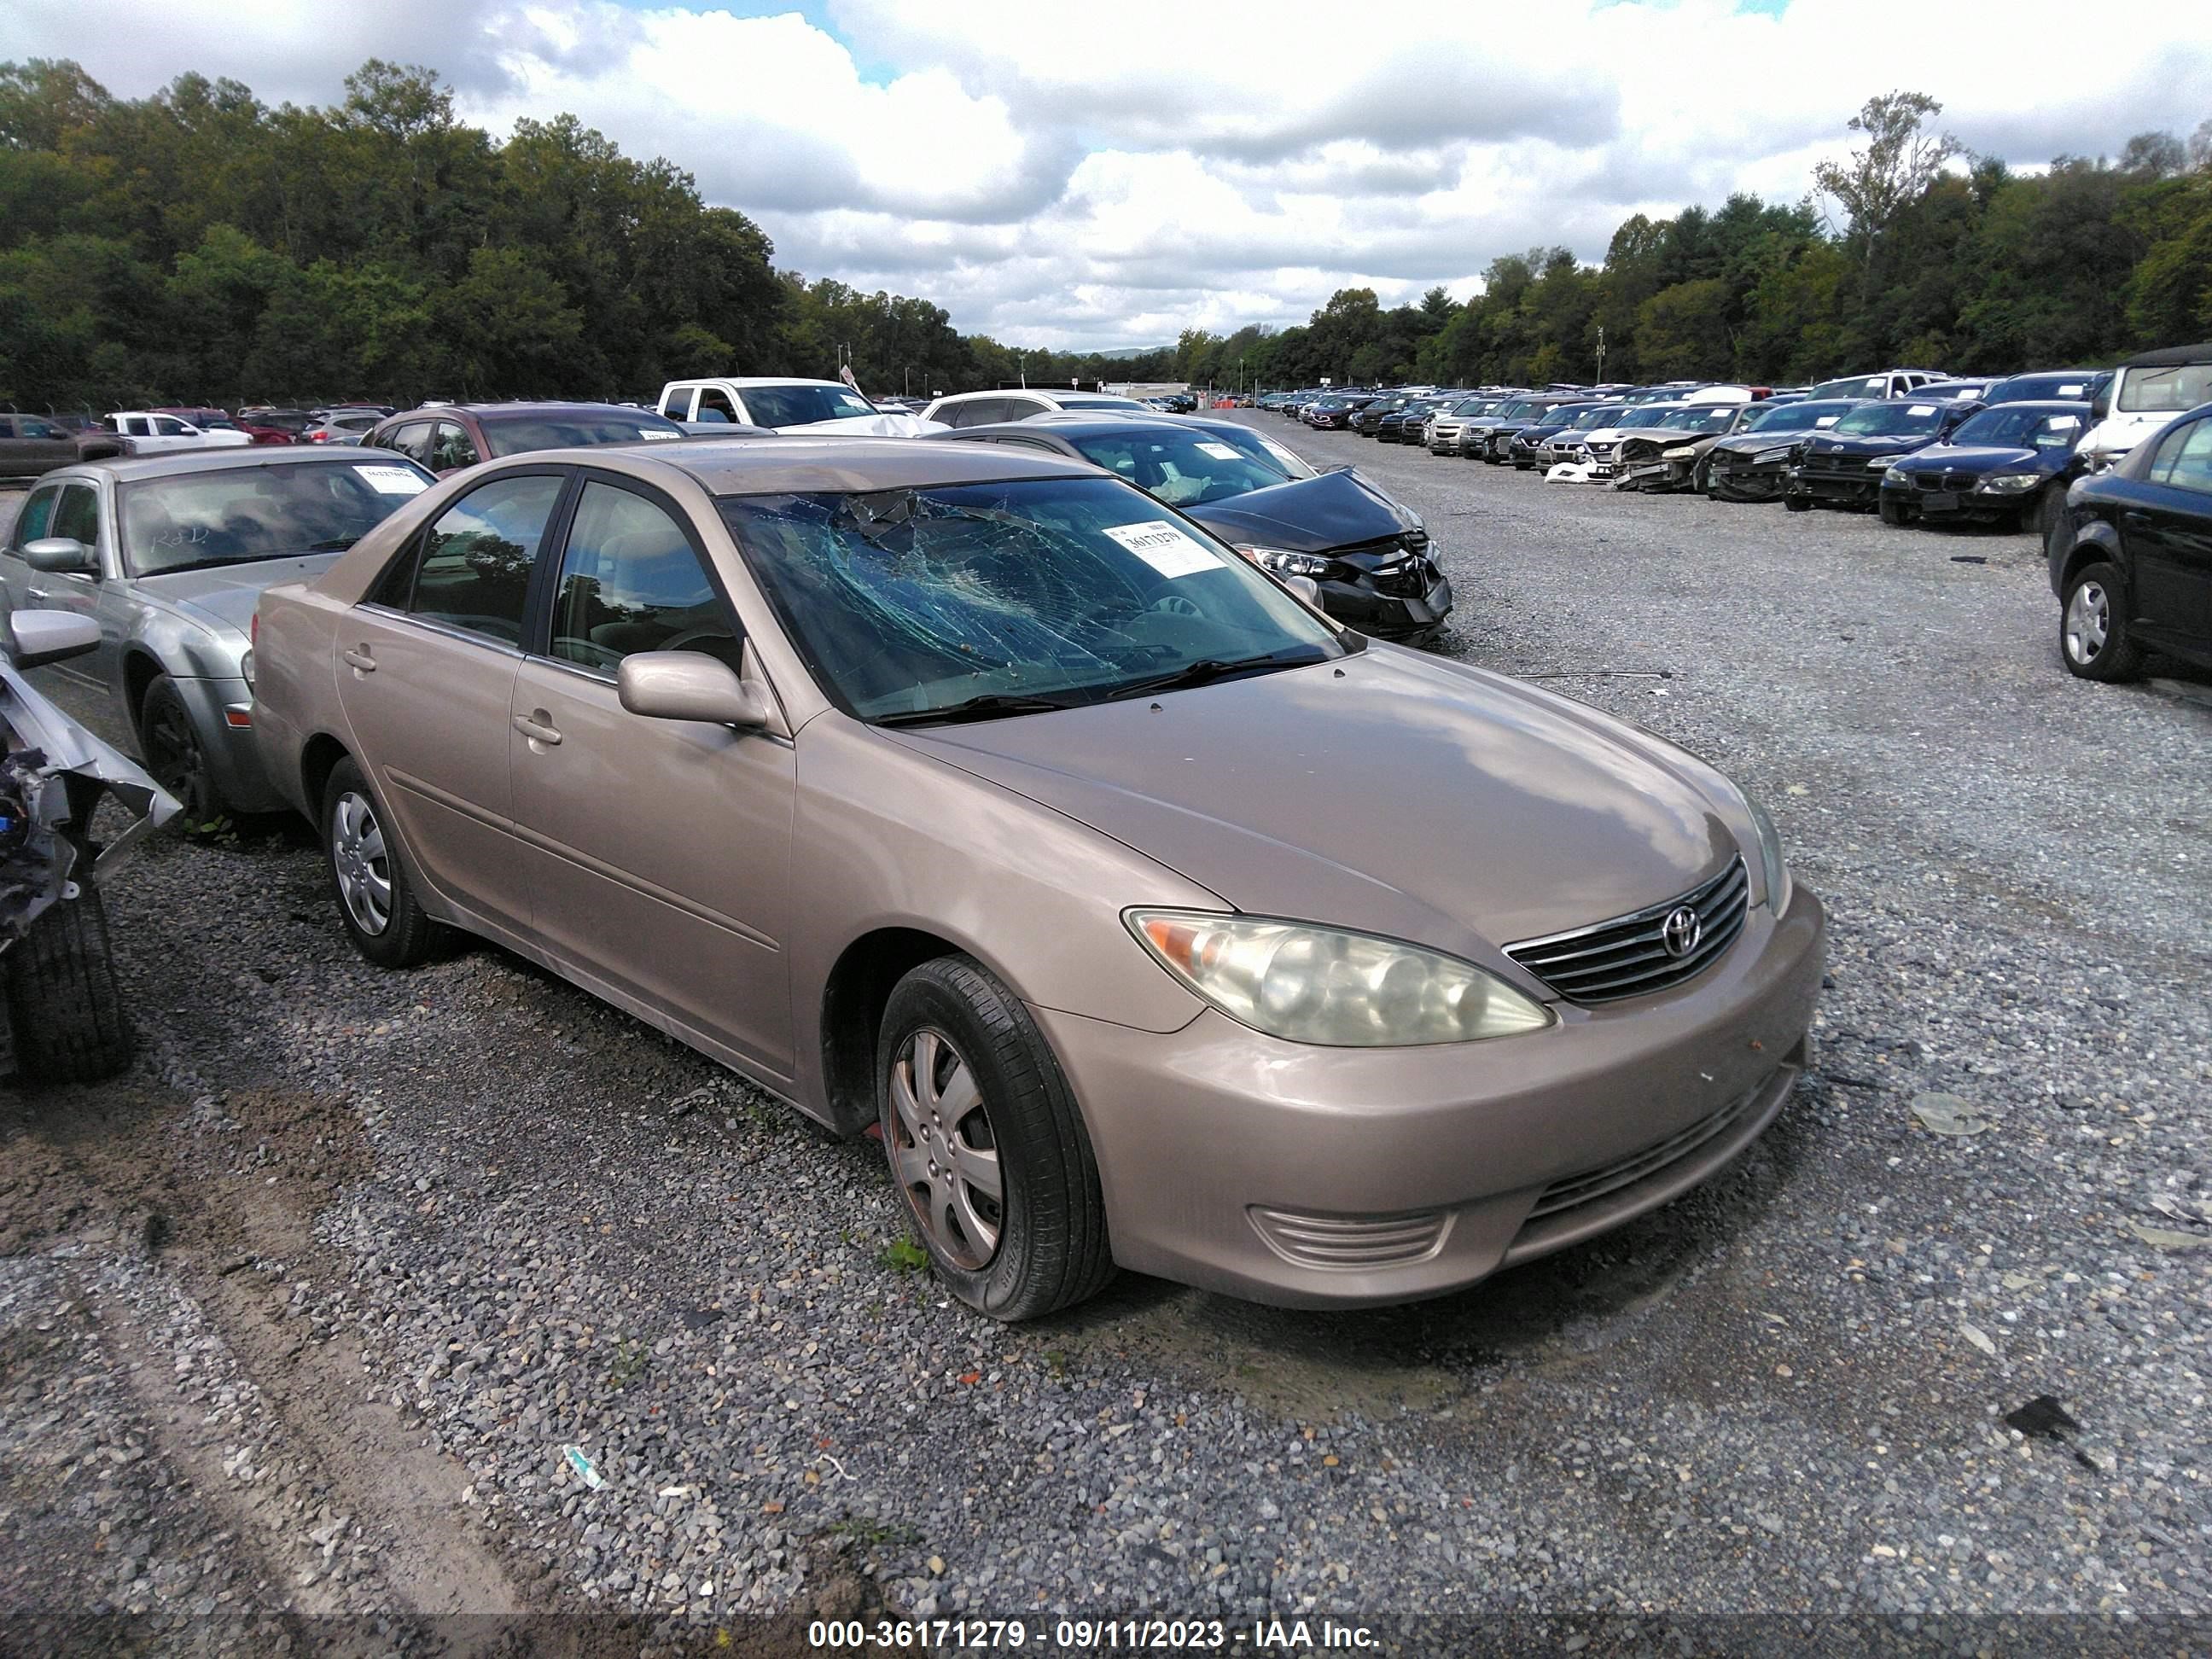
200	246
1972	268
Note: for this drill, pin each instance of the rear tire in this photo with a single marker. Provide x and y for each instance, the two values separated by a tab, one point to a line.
375	899
2093	636
64	1002
967	1087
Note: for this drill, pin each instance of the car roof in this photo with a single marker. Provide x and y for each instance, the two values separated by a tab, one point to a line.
2048	405
742	380
2170	356
172	462
796	466
497	411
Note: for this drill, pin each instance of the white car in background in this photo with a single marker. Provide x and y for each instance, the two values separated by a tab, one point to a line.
153	434
774	404
1023	403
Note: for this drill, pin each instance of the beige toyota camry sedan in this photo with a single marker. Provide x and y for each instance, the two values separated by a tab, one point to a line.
1155	919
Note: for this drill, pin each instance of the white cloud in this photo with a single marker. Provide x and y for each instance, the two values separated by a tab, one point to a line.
1058	175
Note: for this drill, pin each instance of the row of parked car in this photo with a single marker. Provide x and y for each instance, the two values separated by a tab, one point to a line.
961	786
2094	460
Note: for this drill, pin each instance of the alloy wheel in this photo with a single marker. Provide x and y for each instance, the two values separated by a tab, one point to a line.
361	862
2088	622
944	1151
173	755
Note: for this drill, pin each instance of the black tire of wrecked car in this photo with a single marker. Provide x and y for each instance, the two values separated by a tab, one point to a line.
64	1001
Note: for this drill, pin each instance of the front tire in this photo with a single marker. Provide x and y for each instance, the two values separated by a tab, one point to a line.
986	1145
376	901
65	1003
1892	512
175	755
2093	636
1798	503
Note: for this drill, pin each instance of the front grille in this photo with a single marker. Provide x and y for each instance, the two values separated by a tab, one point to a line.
1576	1190
1630	955
1351	1242
1409	578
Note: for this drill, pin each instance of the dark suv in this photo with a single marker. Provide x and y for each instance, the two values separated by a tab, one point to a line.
1843	465
2131	555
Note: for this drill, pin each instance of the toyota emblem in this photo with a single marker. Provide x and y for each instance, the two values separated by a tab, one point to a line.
1681	930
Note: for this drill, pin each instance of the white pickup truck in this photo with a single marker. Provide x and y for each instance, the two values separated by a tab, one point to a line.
151	434
781	404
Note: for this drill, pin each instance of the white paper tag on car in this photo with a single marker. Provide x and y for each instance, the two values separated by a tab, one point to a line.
1164	548
1921	409
1219	451
391	480
655	432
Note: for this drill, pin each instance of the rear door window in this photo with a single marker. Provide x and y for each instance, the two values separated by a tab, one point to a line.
38	513
475	562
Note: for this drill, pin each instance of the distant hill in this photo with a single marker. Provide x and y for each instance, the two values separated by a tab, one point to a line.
1127	351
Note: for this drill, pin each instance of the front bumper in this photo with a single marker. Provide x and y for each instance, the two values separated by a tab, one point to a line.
1834	488
233	756
1940	505
1747	481
1388	616
1331	1177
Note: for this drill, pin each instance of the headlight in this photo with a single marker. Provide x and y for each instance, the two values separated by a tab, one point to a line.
1285	563
1681	454
1323	986
2009	483
1882	461
1769	458
1774	867
1897	474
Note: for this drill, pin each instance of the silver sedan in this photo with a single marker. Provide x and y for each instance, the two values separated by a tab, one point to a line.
168	553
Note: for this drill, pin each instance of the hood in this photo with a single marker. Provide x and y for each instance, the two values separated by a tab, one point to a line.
1308	515
225	598
2118	433
873	426
1388	791
1894	443
1980	459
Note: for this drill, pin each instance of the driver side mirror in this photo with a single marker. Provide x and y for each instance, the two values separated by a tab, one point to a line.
686	685
61	556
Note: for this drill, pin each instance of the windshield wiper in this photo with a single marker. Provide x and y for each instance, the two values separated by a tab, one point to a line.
1206	669
992	705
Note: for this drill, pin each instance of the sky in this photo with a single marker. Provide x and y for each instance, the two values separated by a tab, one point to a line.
1099	176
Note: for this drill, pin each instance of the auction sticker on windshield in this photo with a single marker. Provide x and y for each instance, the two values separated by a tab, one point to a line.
1164	548
393	480
1219	451
1921	409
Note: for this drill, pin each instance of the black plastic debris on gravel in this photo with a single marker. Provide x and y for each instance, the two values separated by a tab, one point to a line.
2044	1419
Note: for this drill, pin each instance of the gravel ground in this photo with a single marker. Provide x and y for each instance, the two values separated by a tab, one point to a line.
297	1318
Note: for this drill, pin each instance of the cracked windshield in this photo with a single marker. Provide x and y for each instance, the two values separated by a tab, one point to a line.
910	603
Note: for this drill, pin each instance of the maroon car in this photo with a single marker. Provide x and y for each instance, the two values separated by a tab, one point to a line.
447	437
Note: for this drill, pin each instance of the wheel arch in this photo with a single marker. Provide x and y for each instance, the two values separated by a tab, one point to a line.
319	758
141	668
854	997
2093	548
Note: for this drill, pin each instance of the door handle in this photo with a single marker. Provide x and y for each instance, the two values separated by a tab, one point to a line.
534	727
359	660
2135	517
39	594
